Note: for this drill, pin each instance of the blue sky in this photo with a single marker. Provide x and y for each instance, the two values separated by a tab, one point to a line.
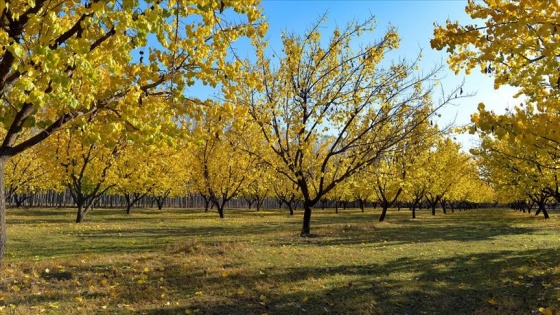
414	20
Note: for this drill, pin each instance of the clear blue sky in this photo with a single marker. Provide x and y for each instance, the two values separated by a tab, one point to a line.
414	20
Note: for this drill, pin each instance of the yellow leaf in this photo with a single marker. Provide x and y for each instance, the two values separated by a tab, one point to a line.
492	301
198	293
240	292
545	311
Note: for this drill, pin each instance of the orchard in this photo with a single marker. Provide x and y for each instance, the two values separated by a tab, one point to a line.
101	109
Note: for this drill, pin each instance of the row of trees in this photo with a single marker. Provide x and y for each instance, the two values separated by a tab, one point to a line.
231	163
518	44
320	117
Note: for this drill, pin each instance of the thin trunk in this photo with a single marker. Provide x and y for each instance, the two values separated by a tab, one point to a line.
81	204
221	210
80	215
291	208
128	203
336	207
306	228
546	216
3	235
250	202
159	202
19	199
384	206
361	202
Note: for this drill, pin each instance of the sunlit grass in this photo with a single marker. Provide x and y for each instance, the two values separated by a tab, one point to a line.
185	261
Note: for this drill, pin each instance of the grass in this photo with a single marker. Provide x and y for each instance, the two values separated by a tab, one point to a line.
189	262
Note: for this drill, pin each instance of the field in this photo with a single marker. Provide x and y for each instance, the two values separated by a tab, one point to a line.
190	262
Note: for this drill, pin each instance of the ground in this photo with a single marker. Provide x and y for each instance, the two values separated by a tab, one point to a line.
488	261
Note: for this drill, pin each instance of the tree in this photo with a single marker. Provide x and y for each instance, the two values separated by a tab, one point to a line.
86	168
324	106
144	169
26	175
54	65
514	169
167	173
221	162
259	188
517	44
395	172
389	175
286	192
446	166
362	189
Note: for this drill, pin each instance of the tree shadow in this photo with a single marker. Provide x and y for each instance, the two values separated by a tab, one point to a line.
458	285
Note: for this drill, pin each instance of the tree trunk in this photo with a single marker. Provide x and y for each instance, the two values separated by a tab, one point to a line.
384	206
306	228
159	203
221	210
444	206
361	202
542	208
3	235
128	203
19	199
414	212
80	215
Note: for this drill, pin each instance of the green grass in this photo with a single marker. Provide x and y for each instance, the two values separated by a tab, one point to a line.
188	262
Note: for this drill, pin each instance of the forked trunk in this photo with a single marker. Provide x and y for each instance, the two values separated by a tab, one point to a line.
542	208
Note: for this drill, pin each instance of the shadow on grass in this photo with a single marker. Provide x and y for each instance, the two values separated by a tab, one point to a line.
145	232
456	285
